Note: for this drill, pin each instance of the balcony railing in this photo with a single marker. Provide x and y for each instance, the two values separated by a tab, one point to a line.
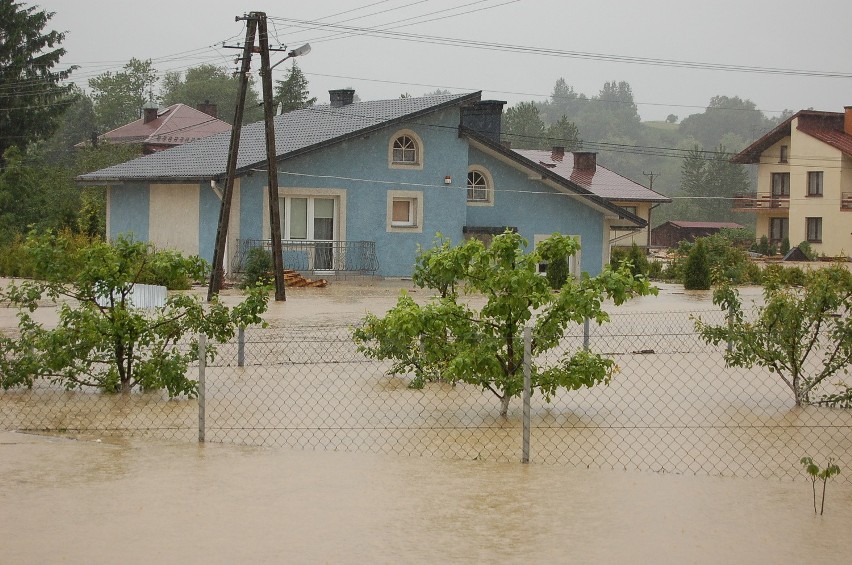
760	201
326	257
846	201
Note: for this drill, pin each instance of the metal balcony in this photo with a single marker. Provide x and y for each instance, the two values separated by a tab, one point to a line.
323	257
846	201
760	201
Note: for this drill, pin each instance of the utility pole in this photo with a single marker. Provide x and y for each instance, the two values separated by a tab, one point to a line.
256	25
652	175
218	273
271	166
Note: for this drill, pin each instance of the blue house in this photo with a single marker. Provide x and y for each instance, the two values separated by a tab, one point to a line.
362	185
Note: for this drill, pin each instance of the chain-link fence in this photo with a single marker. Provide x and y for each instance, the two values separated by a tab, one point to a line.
673	406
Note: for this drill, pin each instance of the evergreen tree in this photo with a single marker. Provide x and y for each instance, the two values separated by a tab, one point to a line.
33	98
523	127
292	93
564	133
696	272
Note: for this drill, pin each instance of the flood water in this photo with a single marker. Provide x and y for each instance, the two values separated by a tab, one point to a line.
146	500
79	501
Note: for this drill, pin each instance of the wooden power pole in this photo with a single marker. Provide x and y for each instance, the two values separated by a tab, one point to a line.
256	22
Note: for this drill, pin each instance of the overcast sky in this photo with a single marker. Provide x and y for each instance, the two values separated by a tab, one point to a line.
779	34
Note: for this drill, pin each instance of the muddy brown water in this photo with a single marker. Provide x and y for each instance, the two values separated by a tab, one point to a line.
130	501
143	499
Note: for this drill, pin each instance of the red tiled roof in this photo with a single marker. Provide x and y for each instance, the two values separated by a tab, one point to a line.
601	181
825	126
175	125
838	139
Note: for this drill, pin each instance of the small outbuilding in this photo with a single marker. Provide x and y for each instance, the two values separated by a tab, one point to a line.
671	233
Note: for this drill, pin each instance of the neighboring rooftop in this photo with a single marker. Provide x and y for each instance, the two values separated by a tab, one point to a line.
704	225
581	168
297	132
161	129
832	128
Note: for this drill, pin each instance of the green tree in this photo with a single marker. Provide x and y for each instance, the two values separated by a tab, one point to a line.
77	124
292	93
448	338
214	84
119	97
523	127
726	115
712	180
564	133
38	194
564	101
32	98
102	341
802	334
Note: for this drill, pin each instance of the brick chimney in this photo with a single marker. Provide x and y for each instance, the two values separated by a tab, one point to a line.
342	97
484	118
585	161
208	108
847	121
557	153
149	112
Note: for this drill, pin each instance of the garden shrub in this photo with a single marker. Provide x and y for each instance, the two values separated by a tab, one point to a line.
696	272
258	269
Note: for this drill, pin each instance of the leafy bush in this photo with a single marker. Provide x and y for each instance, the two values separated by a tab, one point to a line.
740	237
634	256
258	268
785	247
172	270
805	247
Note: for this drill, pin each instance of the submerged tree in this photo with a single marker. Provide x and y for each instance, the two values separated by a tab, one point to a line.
102	341
803	334
449	339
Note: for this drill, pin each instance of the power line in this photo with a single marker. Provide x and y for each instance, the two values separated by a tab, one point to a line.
532	50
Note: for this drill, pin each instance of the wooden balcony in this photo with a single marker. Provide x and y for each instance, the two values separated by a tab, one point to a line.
846	201
761	201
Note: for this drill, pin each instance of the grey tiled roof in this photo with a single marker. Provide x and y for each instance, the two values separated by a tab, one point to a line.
296	131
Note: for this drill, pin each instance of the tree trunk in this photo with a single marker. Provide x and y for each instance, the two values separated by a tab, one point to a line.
504	404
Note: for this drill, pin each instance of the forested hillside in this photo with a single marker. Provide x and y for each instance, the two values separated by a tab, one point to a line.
686	158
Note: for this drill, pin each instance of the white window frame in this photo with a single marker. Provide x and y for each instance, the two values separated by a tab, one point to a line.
489	185
338	194
417	164
415	212
574	262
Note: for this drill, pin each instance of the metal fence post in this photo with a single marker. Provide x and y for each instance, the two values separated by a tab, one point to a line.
525	458
202	392
586	334
241	347
730	327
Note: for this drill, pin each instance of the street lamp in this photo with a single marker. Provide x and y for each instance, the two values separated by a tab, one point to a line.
298	52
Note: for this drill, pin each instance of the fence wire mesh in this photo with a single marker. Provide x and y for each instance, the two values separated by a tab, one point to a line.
673	406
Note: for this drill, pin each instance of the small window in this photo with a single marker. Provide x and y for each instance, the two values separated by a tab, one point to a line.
784	154
477	187
405	150
632	209
405	211
814	227
815	183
